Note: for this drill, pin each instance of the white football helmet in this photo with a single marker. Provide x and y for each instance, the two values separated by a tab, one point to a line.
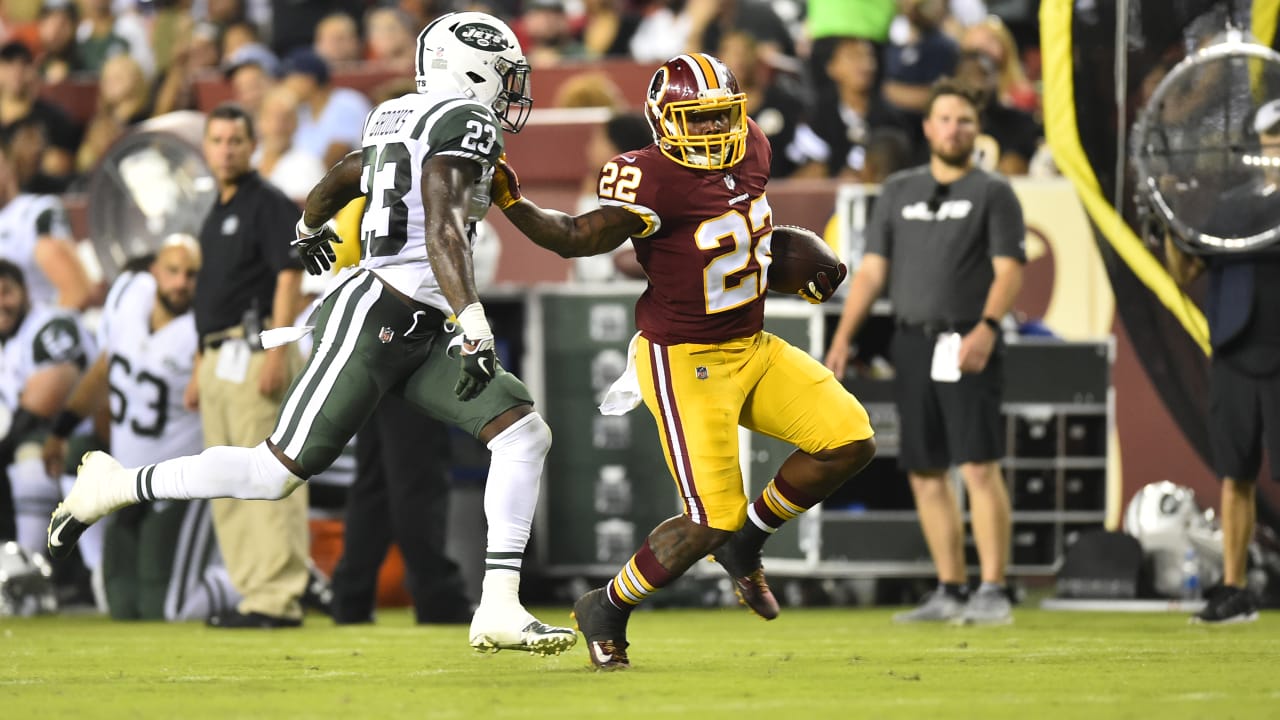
1168	522
26	586
476	54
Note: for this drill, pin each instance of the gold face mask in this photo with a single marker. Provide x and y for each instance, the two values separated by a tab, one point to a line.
698	113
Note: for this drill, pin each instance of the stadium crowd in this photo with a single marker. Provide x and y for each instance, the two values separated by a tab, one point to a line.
837	85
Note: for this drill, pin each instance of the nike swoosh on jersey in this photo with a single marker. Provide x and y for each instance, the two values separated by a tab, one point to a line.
628	158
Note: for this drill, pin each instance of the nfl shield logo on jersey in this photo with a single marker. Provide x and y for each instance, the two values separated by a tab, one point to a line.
701	372
386	334
730	181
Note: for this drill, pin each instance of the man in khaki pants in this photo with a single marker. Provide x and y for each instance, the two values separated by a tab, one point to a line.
250	280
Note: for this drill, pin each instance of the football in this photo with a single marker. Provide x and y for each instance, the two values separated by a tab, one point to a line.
798	256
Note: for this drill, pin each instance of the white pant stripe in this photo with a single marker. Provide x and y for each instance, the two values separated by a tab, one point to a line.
667	400
322	346
343	355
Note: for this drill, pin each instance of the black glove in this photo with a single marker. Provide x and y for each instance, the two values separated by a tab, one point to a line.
315	250
821	288
479	366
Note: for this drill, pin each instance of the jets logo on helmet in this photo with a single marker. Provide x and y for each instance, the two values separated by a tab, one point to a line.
481	37
477	55
693	89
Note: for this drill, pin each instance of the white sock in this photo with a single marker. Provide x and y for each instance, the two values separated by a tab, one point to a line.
500	587
511	490
219	472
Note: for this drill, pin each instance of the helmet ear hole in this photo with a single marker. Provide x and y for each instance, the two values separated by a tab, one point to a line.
475	77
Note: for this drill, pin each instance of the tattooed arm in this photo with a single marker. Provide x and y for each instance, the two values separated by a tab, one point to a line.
593	233
338	187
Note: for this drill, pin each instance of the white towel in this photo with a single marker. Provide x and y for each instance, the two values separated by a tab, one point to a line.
275	337
623	395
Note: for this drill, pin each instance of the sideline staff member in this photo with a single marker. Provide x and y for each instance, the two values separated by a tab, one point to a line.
250	279
949	238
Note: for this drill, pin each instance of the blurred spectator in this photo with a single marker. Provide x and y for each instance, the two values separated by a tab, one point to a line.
914	61
888	151
619	134
224	12
777	106
294	23
833	142
250	82
293	171
589	89
607	28
337	40
992	38
238	35
756	18
547	34
22	106
963	13
56	26
390	40
330	120
35	236
98	40
27	145
124	100
850	18
195	51
662	33
1008	137
254	53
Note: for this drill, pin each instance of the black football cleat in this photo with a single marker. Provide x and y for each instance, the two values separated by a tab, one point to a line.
605	629
749	583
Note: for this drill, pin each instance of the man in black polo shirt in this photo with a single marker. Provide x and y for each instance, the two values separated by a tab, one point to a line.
948	237
250	280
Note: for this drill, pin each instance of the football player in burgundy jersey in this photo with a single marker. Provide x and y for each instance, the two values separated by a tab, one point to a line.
694	205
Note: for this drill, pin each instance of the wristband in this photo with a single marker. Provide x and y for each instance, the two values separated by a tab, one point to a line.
65	424
306	230
992	323
475	326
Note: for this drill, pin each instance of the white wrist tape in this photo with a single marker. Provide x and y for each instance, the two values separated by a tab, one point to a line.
305	230
475	326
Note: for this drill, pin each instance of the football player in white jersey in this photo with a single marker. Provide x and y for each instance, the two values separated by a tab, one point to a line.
43	352
35	236
162	560
424	169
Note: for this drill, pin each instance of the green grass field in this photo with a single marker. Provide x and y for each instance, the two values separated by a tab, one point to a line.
831	663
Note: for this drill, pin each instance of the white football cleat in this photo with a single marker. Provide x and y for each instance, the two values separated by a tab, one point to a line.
99	478
514	628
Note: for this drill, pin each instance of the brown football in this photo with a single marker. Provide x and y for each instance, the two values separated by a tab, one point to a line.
798	256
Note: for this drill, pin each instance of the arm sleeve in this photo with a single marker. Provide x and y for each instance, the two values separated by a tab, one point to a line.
879	232
634	183
58	342
1006	231
465	129
52	220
